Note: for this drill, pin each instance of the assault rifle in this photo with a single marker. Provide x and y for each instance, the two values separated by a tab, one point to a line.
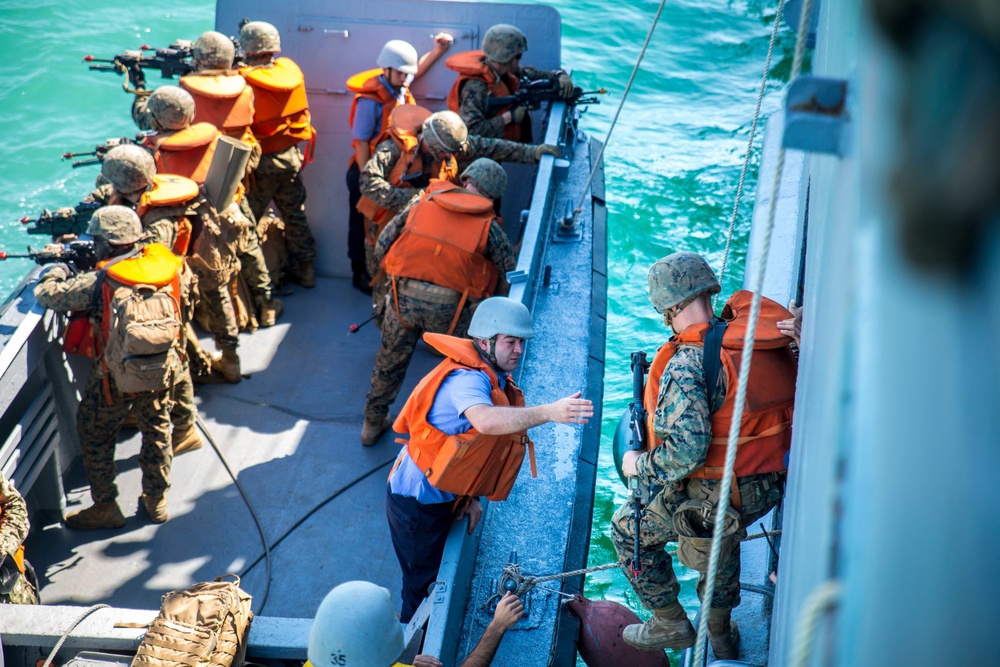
533	93
66	220
100	151
638	494
78	254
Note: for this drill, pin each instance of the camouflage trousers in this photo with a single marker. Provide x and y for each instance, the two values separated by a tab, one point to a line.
278	177
184	413
253	268
222	320
98	422
656	585
421	307
381	286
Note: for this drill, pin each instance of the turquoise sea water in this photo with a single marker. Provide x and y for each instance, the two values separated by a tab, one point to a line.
673	162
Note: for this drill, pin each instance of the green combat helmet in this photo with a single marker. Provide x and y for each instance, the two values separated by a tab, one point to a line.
259	37
678	278
502	43
501	315
213	50
118	225
398	55
488	177
171	107
129	168
445	131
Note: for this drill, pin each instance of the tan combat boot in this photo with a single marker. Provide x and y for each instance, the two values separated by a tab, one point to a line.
372	431
667	628
227	363
305	274
186	441
724	634
99	515
270	312
156	507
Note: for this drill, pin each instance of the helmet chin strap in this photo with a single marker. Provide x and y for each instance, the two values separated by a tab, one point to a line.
490	356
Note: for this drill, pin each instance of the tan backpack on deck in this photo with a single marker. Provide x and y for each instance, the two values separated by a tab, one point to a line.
207	625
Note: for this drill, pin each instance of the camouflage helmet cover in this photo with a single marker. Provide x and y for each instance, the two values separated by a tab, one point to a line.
445	131
259	37
171	107
129	168
678	277
502	43
116	224
488	177
213	50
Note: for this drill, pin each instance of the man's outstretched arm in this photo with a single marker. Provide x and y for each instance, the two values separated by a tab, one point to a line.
500	420
509	610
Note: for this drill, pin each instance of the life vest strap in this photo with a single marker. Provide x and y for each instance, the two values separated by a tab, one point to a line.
774	430
529	443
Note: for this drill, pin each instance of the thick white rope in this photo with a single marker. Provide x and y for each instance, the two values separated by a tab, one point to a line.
741	392
614	121
69	631
819	601
746	157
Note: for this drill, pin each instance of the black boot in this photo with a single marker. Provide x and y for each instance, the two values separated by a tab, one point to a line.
361	278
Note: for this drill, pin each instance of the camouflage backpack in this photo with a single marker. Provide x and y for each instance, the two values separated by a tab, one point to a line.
207	625
142	320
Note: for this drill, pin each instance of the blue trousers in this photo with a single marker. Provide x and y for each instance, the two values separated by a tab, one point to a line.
418	535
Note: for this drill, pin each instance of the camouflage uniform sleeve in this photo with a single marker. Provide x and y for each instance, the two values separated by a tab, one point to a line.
101	195
14	524
374	180
140	114
472	109
162	231
392	230
499	250
57	291
499	150
681	419
533	74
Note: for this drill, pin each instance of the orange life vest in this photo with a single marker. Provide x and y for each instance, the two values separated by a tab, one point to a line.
404	126
765	426
170	190
470	463
281	116
186	153
472	65
443	243
18	555
223	99
366	84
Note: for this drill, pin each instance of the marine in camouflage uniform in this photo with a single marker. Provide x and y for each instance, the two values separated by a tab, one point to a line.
420	306
14	527
682	419
102	407
503	46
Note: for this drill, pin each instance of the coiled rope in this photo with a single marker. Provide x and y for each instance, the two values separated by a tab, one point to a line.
741	392
746	157
614	121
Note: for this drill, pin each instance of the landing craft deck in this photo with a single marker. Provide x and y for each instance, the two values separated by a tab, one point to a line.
291	431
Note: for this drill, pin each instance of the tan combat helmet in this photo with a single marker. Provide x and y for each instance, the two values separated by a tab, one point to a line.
445	131
488	177
259	37
118	225
678	278
171	107
502	43
213	50
129	168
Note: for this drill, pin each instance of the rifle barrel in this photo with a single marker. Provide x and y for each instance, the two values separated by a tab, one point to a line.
86	163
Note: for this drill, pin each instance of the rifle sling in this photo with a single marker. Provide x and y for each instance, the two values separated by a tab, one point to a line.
711	359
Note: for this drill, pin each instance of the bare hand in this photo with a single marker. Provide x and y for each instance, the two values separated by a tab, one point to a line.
443	41
509	611
474	510
793	327
628	462
546	149
571	410
565	85
426	661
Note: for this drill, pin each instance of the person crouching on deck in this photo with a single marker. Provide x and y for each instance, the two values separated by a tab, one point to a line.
466	413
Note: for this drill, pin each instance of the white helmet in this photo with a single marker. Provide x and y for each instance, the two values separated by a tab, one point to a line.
397	54
501	315
355	625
